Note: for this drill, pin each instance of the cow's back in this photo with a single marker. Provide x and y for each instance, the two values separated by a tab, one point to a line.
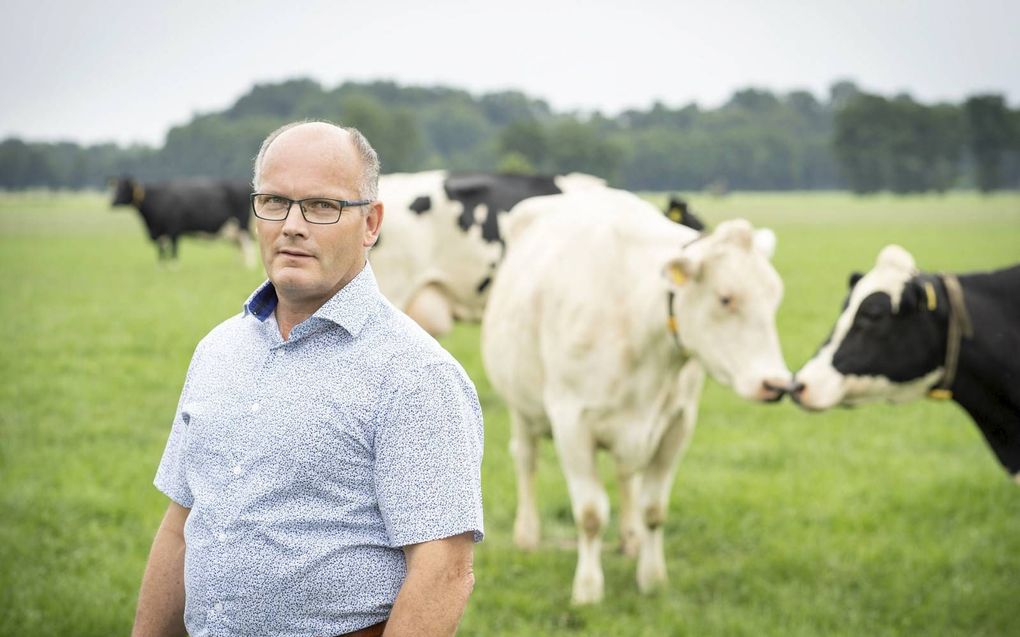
580	291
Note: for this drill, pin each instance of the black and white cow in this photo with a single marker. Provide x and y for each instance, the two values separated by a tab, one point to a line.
904	334
678	211
189	206
442	238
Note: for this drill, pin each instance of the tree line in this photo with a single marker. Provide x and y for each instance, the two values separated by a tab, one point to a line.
757	140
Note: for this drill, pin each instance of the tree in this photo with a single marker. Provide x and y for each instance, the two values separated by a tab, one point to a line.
989	136
527	138
576	147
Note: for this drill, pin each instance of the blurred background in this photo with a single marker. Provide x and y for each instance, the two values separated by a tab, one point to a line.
904	96
842	126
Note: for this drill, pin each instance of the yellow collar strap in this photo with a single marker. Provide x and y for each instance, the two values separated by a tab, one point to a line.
933	301
671	322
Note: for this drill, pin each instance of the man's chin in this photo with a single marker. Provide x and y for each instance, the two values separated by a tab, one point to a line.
292	277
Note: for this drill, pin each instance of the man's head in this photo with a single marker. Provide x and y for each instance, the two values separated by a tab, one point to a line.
308	263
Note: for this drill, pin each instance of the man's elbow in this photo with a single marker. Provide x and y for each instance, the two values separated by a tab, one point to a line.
464	580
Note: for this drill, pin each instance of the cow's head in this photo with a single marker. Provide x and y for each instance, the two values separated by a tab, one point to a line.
678	211
726	294
126	191
888	344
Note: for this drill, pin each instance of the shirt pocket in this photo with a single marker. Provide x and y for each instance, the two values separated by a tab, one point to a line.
330	444
206	447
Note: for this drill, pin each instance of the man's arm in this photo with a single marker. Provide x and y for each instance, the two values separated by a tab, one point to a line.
161	599
439	581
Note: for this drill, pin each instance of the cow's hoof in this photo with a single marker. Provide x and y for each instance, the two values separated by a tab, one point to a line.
651	575
589	592
526	536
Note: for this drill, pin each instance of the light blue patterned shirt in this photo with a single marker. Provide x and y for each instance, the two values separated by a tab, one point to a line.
308	463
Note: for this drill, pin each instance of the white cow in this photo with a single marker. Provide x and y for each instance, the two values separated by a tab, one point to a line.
577	339
435	258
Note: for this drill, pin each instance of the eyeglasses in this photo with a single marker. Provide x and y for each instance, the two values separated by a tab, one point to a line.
315	210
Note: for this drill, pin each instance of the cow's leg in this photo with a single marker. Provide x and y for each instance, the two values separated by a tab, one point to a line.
430	308
657	481
162	249
590	503
247	248
523	448
631	526
173	247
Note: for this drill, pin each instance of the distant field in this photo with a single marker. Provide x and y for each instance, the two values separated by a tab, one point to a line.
875	521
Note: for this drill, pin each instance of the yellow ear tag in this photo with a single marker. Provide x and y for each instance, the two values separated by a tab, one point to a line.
929	290
676	275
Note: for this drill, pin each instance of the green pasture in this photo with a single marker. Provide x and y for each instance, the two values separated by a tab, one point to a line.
874	521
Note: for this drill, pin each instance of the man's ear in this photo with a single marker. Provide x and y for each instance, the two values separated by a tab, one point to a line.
373	223
680	270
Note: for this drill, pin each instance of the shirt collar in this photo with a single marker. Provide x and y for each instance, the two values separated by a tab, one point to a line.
349	308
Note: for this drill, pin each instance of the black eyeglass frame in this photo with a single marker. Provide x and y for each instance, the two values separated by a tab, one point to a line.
343	203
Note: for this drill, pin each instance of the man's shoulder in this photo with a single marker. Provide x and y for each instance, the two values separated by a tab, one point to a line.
227	333
404	345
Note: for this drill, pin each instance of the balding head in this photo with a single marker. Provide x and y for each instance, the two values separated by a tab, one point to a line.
334	142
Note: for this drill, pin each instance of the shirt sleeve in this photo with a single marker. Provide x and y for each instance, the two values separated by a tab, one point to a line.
171	476
428	456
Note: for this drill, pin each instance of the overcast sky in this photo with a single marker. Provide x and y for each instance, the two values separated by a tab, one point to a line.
126	71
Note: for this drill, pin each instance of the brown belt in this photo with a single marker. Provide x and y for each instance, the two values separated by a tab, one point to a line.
375	630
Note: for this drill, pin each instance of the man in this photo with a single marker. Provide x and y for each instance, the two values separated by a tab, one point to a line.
324	462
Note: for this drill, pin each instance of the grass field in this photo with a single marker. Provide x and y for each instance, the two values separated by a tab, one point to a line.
874	521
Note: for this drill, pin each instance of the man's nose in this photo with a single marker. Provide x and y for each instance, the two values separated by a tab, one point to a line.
294	223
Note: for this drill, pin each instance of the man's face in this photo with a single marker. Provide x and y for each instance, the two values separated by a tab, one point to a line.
308	263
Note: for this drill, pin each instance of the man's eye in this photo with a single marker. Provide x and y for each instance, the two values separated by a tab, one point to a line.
325	204
275	201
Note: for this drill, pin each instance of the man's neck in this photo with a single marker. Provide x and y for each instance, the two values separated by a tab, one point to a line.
292	311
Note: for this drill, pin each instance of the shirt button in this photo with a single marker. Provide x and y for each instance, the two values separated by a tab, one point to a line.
255	408
237	470
222	537
218	607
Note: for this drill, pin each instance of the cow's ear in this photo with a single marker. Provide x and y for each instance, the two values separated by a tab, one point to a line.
854	278
680	270
765	242
736	231
912	298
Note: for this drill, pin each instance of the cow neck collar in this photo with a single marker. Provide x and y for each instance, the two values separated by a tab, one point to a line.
960	327
672	325
671	322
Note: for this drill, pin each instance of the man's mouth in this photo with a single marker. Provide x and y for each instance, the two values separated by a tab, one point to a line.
293	252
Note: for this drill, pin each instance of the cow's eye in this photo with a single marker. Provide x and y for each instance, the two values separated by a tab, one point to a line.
870	314
726	300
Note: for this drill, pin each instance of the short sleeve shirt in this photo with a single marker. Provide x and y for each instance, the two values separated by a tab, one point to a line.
308	463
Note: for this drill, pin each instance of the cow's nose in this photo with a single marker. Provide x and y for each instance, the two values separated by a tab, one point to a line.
773	389
796	390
